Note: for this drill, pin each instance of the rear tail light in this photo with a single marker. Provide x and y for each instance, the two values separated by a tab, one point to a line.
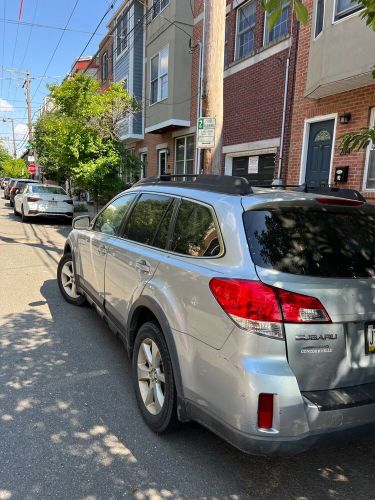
265	411
70	202
32	199
13	190
261	308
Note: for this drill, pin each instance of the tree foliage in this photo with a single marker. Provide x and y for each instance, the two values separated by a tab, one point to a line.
4	156
78	139
15	168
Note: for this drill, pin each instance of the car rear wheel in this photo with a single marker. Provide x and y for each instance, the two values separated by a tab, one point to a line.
153	379
67	282
15	211
11	203
24	217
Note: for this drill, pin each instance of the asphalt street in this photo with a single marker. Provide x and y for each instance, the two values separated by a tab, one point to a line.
69	424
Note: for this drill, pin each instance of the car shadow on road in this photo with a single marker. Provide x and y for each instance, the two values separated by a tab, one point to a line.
71	426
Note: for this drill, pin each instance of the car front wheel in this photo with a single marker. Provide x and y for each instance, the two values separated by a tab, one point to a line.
67	282
153	379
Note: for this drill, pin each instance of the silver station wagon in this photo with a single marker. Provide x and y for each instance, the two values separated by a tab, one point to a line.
248	310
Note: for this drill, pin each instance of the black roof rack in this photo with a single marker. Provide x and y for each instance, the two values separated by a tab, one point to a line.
228	184
225	184
350	194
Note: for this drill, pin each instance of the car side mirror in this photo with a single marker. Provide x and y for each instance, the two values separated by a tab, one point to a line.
81	222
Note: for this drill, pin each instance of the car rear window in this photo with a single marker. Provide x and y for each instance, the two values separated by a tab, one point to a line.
48	189
322	242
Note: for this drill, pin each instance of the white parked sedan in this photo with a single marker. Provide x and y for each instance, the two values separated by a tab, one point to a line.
43	200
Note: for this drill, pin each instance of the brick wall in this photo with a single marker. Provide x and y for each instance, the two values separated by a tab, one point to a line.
253	97
357	102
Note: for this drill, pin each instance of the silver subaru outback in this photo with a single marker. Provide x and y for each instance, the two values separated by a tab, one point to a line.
250	311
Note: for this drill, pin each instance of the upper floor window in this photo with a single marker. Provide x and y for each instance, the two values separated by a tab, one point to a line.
245	29
281	27
345	7
370	158
104	67
122	33
158	6
319	17
159	76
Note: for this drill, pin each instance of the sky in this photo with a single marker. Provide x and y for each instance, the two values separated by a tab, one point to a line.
26	46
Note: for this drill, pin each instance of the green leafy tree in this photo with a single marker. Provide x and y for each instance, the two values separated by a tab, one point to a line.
4	156
15	168
78	139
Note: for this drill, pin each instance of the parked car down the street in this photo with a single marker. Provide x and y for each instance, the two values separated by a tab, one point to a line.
42	200
4	182
18	187
8	186
250	311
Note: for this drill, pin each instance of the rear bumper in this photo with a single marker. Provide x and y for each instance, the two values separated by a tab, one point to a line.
37	213
337	433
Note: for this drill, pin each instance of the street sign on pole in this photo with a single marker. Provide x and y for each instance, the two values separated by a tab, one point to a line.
206	133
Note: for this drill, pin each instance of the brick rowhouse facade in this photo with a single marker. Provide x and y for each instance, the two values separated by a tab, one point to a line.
358	102
253	92
105	61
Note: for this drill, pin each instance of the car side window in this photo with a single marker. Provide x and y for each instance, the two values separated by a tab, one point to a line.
146	217
109	220
195	232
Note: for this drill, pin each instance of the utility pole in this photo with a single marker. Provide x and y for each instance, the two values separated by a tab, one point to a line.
14	138
29	117
213	79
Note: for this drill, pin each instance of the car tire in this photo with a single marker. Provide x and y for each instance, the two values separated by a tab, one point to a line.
65	272
153	379
23	216
11	203
15	211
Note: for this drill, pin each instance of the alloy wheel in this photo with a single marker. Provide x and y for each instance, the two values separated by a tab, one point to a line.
151	376
68	280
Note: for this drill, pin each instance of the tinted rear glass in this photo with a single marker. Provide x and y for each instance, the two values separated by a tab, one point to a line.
333	242
48	189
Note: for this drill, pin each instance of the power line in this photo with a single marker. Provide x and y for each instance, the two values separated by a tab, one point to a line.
2	59
48	26
110	7
57	46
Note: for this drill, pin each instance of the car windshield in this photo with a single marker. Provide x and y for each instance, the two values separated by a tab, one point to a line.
48	189
324	242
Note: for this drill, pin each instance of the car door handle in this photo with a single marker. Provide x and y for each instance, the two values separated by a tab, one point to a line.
102	249
142	266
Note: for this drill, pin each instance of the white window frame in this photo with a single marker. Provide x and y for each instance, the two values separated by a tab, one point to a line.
162	151
350	13
185	137
236	46
118	27
106	66
159	77
266	31
316	36
368	149
161	9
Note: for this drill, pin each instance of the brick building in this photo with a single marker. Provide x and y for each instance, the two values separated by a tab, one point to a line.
105	61
334	94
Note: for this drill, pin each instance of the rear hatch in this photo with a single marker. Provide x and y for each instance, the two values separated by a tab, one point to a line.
327	251
52	199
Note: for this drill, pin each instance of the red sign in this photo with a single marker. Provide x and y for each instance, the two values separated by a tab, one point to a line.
32	168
